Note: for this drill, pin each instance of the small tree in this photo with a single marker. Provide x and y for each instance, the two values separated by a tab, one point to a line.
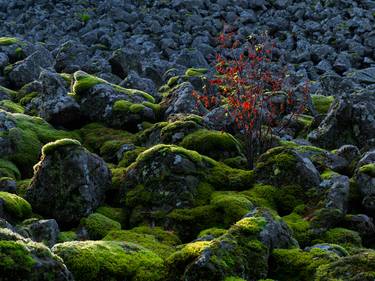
255	94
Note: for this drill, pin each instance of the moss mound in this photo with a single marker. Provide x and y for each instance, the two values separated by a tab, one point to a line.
17	207
98	225
110	260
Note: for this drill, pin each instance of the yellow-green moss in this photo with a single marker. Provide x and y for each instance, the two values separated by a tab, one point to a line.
344	237
300	227
214	231
4	41
130	156
322	103
11	106
8	169
298	265
368	169
328	174
66	236
195	72
122	105
84	81
7	91
49	148
110	260
16	206
98	225
116	214
233	278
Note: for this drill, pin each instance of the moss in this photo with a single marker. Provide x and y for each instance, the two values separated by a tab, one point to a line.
136	108
145	240
204	191
22	186
66	236
27	98
11	106
154	106
95	136
233	206
172	81
359	267
130	157
233	278
298	265
251	225
84	81
212	143
263	195
117	174
368	169
214	231
300	227
8	92
344	237
98	225
16	261
8	169
122	105
116	214
49	148
322	103
188	252
110	260
15	206
328	174
5	41
195	72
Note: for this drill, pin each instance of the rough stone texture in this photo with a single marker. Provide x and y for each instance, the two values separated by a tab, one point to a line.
68	184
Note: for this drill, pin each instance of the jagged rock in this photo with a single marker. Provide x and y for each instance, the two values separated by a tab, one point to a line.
27	70
69	182
8	185
338	193
45	231
352	117
53	103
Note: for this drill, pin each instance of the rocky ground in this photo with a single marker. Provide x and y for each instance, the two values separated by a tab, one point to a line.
109	170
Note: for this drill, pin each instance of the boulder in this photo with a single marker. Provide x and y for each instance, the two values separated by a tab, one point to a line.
69	182
44	231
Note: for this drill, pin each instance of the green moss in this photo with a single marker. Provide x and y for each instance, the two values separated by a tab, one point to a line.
16	206
214	231
163	236
322	103
344	237
122	105
358	267
84	81
145	240
27	98
233	206
298	265
66	236
154	106
16	261
130	157
263	195
195	72
172	81
232	278
8	169
204	191
110	260
117	175
4	41
11	106
212	143
328	174
251	225
368	169
49	148
300	227
116	214
136	108
188	252
8	92
98	225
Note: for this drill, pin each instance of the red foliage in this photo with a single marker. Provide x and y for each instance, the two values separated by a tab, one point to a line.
250	86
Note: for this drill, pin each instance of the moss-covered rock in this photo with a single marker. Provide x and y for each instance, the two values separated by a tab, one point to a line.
215	144
358	267
322	103
167	177
298	265
15	207
116	214
10	106
283	166
301	228
20	260
344	237
8	169
110	260
98	225
161	242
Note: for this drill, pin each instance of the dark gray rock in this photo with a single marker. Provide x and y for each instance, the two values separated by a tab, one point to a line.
45	231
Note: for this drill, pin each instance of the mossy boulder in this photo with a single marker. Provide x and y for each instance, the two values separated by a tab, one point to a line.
161	242
69	182
23	137
13	207
298	265
111	104
282	166
358	267
110	260
98	225
322	103
22	260
240	252
9	170
167	177
215	144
